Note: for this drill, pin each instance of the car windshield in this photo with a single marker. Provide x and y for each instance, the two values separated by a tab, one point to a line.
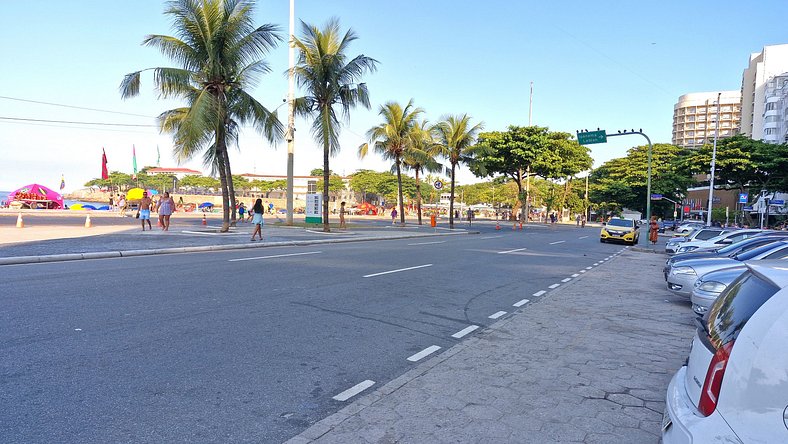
620	223
733	308
707	234
746	244
747	255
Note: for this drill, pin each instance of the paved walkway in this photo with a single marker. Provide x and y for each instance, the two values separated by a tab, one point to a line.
588	363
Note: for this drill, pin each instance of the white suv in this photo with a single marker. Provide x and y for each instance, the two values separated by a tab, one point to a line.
734	387
731	237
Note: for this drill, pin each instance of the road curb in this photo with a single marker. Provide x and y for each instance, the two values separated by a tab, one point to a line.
20	260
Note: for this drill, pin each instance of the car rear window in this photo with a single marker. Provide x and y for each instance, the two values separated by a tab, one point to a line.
620	223
749	254
734	307
707	234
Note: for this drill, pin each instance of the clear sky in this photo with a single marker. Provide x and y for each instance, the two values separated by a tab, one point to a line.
606	64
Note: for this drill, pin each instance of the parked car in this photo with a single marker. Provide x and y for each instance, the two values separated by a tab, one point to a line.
709	286
682	276
686	227
672	247
734	388
618	229
729	251
728	238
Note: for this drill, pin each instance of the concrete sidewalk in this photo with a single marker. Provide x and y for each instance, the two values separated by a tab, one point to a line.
589	362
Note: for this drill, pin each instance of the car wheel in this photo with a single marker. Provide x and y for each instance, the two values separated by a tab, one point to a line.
602	241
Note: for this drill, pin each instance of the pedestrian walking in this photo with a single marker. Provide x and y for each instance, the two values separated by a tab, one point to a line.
583	221
342	210
393	216
144	210
577	220
257	218
165	208
121	206
111	203
470	216
241	211
653	230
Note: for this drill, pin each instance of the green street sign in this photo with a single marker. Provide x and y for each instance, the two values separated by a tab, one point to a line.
589	137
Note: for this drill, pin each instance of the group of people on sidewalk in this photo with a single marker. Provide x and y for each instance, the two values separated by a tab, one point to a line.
165	207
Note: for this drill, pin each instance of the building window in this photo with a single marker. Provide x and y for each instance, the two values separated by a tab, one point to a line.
770	106
770	131
311	187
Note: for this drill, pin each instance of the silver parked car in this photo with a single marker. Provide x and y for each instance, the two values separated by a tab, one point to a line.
682	276
730	250
702	234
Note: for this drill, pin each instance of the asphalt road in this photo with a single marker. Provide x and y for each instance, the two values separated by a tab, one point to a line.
251	346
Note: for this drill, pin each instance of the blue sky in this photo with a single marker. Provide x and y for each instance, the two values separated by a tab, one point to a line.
606	64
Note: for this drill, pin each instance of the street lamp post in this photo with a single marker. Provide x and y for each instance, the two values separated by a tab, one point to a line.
713	160
290	134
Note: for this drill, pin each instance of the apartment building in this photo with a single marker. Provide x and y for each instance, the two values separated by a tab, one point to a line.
775	115
763	67
695	116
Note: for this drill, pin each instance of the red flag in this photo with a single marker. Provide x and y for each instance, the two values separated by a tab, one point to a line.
104	172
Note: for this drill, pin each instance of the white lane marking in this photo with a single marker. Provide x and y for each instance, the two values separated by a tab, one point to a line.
582	237
596	263
355	390
557	242
582	271
428	243
539	293
566	280
606	259
464	331
490	237
396	271
575	275
521	302
497	314
554	286
276	255
426	352
588	268
511	251
207	234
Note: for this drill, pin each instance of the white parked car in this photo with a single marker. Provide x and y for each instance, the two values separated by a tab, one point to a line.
675	242
687	227
728	238
734	388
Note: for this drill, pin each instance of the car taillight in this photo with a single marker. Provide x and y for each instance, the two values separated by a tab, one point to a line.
710	392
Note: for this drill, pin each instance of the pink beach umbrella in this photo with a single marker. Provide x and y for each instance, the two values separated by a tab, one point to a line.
35	192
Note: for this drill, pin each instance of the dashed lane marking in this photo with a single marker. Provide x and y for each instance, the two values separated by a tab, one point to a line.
274	256
554	286
582	237
426	352
539	293
521	302
575	275
566	280
557	242
583	271
428	243
464	331
511	251
497	314
490	237
355	390
397	271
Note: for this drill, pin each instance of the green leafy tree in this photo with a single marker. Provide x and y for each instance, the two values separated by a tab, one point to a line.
330	79
391	138
335	184
734	167
220	51
455	140
419	156
771	161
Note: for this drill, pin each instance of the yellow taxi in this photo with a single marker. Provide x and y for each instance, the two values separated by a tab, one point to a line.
618	229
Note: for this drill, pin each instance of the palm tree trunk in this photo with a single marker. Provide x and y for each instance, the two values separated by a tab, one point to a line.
399	192
326	227
418	193
230	188
451	198
225	191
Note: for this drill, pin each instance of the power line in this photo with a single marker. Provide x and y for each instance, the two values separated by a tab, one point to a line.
74	123
74	107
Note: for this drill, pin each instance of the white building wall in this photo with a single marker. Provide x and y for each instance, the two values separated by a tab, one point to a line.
695	115
770	62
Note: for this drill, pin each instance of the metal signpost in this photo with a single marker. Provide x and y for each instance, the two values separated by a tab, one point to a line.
314	207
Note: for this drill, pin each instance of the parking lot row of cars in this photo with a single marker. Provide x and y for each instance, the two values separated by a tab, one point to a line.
734	386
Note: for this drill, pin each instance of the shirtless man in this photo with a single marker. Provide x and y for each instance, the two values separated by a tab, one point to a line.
145	204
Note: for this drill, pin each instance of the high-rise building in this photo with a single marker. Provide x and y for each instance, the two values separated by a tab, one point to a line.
775	115
695	116
772	61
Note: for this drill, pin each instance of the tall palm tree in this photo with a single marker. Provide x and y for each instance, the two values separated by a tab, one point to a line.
329	78
220	52
455	139
392	138
420	156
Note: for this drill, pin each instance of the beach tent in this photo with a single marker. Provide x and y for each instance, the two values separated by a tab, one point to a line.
36	196
134	194
206	205
76	207
103	208
367	208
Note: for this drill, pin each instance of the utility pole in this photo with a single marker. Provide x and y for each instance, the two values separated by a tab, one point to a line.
713	160
528	170
290	133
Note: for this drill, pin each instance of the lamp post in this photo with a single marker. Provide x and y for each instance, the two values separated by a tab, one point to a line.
290	133
713	160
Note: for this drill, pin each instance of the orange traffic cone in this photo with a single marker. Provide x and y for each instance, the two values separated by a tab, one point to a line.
19	222
88	223
204	222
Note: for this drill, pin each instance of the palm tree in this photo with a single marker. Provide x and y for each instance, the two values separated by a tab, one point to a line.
329	79
420	156
220	51
455	139
392	138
